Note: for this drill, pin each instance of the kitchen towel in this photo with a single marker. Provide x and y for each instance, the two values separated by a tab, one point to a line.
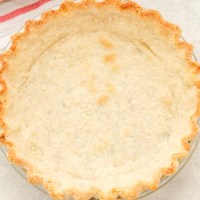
13	14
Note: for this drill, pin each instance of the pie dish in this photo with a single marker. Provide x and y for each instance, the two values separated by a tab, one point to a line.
98	100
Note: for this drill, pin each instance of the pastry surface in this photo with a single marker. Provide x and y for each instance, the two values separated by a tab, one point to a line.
100	100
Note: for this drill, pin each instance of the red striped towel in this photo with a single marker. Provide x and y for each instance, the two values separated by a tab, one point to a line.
13	14
21	10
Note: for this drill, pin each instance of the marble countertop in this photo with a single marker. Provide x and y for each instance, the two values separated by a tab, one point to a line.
186	185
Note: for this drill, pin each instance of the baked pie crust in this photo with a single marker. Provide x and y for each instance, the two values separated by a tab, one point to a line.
98	100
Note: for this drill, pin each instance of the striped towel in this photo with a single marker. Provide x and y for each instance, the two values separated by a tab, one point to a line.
13	14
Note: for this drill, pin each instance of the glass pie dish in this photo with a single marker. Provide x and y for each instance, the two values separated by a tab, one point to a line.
164	181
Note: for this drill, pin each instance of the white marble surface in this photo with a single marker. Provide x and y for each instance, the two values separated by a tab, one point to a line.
186	185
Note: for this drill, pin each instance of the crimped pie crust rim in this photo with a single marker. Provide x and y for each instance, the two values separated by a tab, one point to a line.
116	192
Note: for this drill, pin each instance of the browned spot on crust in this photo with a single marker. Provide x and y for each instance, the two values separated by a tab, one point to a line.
167	102
106	43
110	57
102	100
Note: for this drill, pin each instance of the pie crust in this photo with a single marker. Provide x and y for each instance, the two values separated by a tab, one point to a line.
98	100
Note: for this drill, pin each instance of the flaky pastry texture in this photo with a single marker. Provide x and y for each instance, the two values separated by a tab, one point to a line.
98	100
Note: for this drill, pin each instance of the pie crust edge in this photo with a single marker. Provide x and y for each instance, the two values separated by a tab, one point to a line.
142	186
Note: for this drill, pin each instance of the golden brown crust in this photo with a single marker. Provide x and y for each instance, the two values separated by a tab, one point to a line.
169	30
